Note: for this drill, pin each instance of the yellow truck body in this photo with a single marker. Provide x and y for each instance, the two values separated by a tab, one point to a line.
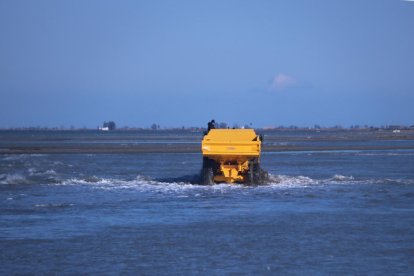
231	155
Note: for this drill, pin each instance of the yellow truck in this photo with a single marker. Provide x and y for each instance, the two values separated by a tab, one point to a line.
232	156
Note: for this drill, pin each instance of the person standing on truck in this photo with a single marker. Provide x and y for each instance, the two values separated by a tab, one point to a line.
211	125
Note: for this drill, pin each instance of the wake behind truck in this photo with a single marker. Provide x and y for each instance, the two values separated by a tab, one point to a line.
232	156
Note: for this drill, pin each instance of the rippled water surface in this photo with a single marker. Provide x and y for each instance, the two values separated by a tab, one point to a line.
323	212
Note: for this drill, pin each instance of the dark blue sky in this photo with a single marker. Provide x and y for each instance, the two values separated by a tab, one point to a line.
181	63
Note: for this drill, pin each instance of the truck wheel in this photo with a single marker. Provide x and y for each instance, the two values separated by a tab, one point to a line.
207	174
250	175
254	174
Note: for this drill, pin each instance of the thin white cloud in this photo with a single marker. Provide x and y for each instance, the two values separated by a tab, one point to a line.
282	81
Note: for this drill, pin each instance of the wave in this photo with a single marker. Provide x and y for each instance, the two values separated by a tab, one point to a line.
16	157
14	178
189	182
291	180
33	171
140	182
339	177
275	181
32	177
54	205
401	152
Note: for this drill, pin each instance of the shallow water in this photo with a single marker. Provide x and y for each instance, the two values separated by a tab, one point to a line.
321	212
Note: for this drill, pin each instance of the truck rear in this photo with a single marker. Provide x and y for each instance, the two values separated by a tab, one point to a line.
231	156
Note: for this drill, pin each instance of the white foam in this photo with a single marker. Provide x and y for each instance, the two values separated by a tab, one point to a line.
400	181
144	183
54	205
34	171
398	153
339	177
15	157
286	180
50	172
15	178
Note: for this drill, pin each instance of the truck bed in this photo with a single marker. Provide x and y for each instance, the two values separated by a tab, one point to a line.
221	143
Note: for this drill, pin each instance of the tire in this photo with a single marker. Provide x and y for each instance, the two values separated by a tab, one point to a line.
250	175
253	174
256	174
207	174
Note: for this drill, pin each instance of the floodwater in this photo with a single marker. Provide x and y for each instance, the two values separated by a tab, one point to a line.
324	211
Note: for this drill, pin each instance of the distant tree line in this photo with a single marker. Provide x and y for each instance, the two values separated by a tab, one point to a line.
111	125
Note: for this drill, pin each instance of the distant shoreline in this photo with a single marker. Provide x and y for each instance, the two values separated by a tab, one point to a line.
159	141
45	150
183	149
201	129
